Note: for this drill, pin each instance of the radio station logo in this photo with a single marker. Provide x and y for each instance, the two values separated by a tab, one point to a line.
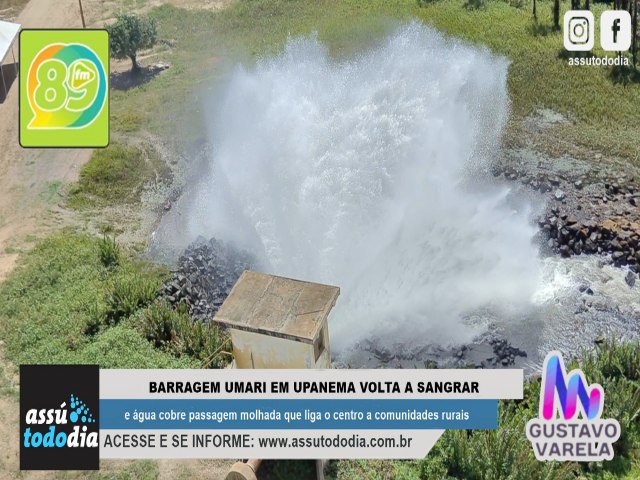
570	427
59	428
64	88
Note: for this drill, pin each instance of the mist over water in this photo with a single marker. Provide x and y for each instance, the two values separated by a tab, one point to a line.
366	173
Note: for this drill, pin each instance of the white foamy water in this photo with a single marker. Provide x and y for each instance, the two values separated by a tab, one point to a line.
364	173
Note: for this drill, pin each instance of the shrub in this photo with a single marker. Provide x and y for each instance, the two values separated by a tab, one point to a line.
613	360
128	294
177	333
109	252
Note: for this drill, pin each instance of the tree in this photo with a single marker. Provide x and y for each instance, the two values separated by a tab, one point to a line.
634	43
130	34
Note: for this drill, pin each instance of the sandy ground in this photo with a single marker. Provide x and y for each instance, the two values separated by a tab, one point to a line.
30	177
30	180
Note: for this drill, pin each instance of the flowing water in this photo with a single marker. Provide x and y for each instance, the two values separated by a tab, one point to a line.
370	174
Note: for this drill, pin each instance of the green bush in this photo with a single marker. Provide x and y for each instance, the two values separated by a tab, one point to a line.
177	333
109	252
612	360
128	294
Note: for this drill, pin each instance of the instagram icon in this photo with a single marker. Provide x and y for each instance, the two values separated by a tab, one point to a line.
578	30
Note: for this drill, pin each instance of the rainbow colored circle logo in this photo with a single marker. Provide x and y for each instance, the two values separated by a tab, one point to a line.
66	87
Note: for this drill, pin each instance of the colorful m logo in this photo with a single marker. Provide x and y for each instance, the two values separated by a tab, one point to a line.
570	388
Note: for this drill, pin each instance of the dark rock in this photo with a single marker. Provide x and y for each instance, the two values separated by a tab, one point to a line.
204	276
630	278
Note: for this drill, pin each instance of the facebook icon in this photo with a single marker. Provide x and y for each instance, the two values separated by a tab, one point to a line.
615	30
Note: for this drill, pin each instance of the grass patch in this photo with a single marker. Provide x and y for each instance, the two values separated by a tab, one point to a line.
63	305
375	470
139	470
127	121
50	193
540	78
116	175
209	44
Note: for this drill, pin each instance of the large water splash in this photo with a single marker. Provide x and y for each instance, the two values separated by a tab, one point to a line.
360	173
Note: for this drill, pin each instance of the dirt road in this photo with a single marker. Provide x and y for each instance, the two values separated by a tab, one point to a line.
30	178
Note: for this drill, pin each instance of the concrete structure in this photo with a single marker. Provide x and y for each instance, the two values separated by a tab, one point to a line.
277	322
